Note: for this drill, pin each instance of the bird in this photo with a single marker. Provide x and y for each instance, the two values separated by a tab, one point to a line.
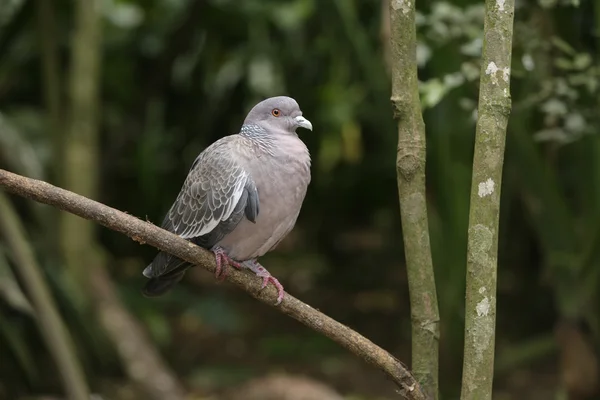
241	197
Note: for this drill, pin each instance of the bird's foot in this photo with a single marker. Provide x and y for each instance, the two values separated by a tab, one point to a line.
262	272
222	260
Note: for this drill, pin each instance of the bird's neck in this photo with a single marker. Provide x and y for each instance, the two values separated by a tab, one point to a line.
275	143
258	136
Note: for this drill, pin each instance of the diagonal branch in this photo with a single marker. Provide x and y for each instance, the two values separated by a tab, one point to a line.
144	232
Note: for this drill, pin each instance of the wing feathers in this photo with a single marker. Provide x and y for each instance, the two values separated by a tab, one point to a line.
209	194
215	196
251	209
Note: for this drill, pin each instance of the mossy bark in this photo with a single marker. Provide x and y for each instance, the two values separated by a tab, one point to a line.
411	189
482	252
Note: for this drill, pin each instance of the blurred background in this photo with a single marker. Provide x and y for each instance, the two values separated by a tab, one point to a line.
114	99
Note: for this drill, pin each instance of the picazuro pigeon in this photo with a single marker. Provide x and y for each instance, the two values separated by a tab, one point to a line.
241	197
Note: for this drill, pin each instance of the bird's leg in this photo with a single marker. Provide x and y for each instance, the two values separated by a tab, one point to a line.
222	260
262	272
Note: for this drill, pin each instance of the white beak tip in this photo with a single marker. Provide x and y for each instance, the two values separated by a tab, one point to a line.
303	123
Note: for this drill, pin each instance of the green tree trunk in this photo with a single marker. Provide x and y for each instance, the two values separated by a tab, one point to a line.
411	189
482	252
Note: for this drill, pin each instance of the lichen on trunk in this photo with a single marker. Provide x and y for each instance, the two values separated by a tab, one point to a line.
493	112
411	190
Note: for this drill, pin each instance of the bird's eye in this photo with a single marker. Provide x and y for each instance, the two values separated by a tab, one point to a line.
276	112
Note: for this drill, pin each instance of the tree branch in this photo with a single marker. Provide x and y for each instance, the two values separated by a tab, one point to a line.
482	249
410	166
144	232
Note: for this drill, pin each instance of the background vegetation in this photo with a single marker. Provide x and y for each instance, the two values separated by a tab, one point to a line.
175	75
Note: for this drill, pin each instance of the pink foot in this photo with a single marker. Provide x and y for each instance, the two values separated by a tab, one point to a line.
222	260
262	272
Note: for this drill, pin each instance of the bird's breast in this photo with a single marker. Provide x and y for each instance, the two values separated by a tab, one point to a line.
282	180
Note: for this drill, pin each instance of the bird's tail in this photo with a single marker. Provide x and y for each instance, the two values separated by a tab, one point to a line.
164	272
158	286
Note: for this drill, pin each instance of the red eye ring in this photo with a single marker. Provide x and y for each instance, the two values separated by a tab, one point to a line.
275	112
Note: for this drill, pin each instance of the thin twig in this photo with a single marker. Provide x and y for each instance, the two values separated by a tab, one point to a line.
146	233
410	167
488	159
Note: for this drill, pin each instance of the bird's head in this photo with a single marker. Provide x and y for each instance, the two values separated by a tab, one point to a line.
280	114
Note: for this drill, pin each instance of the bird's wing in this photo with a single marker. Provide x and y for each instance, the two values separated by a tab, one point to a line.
212	190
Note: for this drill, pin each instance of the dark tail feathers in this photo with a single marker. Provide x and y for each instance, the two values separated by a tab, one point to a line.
159	286
164	272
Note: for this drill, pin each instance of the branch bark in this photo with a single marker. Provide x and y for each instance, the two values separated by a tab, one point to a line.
410	165
52	329
493	112
144	232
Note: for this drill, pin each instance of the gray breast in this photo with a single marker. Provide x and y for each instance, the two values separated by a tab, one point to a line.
281	178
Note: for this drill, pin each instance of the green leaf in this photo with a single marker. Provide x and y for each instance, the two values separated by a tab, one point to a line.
582	61
563	63
562	45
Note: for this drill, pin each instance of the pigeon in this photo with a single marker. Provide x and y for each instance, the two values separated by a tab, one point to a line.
241	197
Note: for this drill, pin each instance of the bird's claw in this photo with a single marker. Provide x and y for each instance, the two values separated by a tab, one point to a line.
222	260
262	272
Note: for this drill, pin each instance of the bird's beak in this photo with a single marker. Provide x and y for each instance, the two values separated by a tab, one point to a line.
303	122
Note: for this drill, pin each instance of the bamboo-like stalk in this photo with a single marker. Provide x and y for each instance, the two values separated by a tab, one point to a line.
411	189
50	324
482	252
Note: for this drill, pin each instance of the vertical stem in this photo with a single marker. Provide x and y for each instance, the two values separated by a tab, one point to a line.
411	190
482	251
83	255
50	324
80	143
51	74
384	34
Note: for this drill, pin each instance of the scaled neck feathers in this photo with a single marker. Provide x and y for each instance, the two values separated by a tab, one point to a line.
259	136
